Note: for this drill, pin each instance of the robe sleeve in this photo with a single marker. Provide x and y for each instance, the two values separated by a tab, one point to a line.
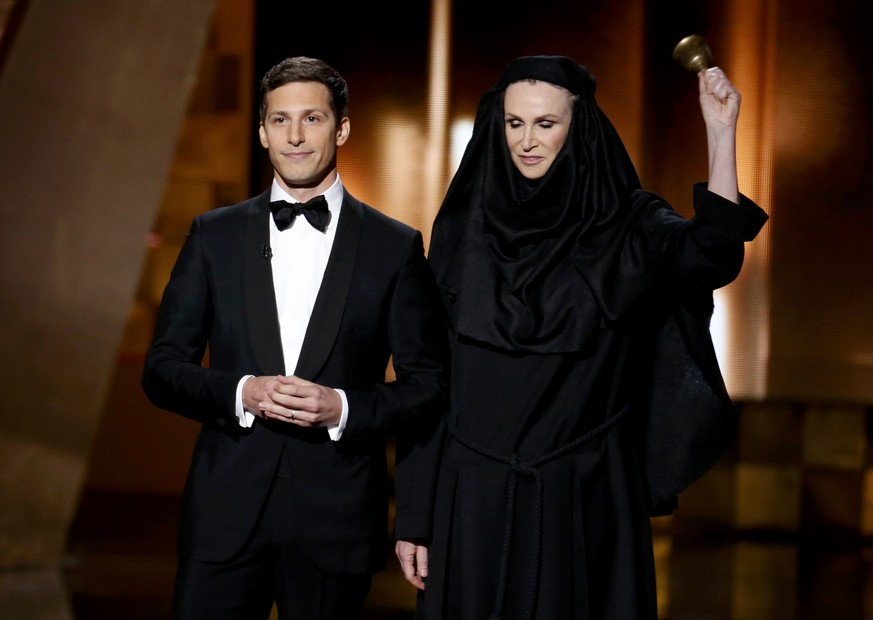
690	419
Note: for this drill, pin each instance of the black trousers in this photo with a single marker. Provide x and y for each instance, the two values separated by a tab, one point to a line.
272	568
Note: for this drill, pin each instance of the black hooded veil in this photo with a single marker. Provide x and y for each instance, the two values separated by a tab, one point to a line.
585	390
512	246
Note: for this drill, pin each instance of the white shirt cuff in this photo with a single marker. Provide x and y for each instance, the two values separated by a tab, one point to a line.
245	418
337	431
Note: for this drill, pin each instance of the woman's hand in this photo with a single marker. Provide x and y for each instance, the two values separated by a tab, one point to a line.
413	562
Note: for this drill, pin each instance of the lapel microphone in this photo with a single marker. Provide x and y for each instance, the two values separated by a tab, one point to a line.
268	251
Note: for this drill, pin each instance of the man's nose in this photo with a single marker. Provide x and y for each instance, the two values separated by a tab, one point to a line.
295	135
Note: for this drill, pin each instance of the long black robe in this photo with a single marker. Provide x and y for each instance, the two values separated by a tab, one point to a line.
551	464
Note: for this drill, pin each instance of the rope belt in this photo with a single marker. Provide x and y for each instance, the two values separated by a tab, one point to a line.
523	466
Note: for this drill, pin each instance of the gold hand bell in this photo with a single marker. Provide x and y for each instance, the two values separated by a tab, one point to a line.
693	53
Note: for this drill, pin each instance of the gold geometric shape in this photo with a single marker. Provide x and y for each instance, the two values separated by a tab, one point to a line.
835	437
770	433
831	500
765	580
768	496
867	504
663	549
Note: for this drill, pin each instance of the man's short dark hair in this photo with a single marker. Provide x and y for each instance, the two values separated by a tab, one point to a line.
305	69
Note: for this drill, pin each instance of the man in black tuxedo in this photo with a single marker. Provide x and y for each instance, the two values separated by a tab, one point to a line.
300	311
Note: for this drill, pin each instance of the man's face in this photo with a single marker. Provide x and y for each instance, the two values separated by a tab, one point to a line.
301	134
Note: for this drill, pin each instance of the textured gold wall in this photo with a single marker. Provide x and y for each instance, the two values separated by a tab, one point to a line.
91	98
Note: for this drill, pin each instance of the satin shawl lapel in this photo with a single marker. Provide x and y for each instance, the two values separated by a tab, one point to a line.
331	301
263	317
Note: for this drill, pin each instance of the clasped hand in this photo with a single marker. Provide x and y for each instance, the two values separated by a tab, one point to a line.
293	400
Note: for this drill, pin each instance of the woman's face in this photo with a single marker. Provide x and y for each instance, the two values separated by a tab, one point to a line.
536	121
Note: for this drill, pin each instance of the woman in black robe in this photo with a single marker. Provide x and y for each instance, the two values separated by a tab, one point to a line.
585	392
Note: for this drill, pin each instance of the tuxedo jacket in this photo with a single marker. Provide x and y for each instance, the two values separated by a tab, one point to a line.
218	322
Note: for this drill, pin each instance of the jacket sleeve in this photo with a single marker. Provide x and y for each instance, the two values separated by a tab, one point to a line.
174	375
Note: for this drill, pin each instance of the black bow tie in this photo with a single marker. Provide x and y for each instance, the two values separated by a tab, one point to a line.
314	210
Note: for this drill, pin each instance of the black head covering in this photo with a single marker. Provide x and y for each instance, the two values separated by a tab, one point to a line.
514	247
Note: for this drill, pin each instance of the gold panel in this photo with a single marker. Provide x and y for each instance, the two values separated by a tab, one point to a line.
771	433
764	574
768	496
835	437
831	500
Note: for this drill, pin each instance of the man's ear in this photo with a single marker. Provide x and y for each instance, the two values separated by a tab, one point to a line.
342	132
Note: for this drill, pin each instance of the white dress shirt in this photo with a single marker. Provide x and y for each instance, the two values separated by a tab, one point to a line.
299	258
